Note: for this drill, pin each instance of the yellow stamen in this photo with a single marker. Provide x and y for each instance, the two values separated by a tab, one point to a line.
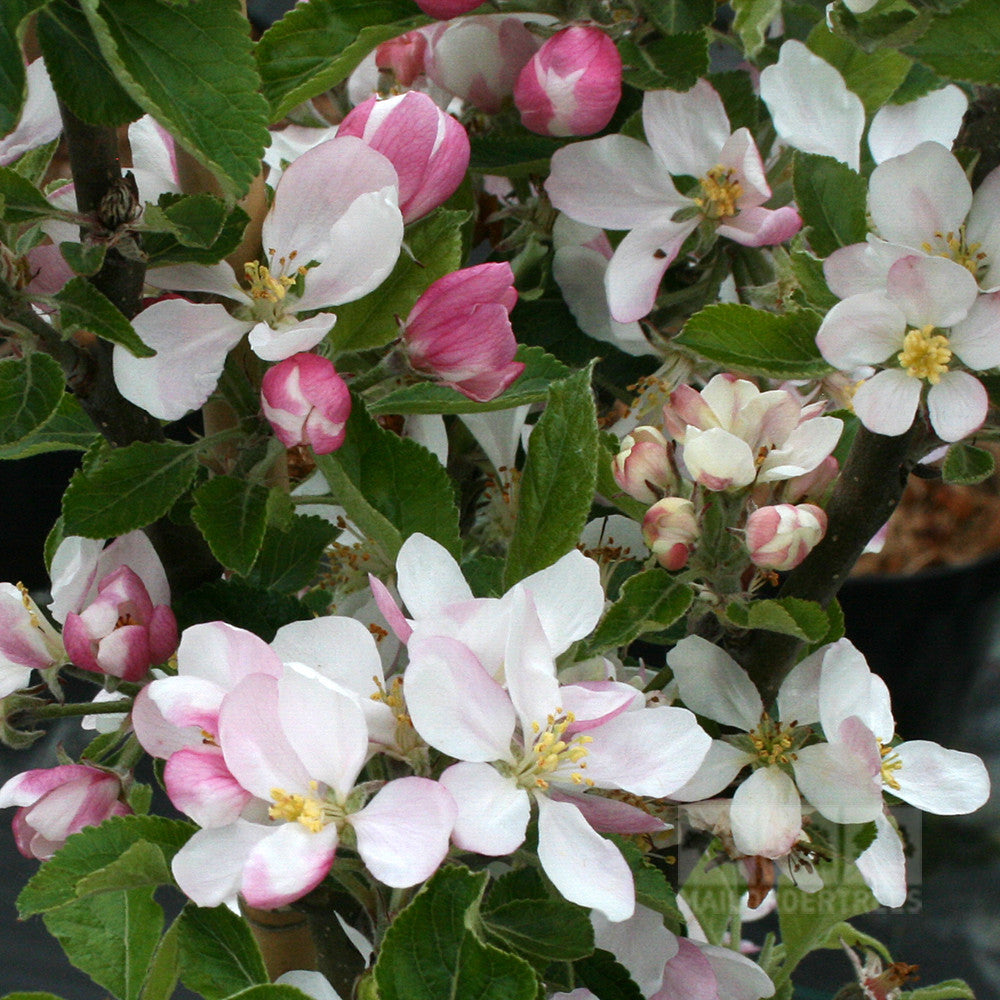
925	354
890	763
294	808
956	247
720	193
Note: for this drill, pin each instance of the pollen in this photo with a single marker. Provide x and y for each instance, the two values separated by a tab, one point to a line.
925	354
955	246
294	808
721	193
551	752
890	764
264	285
772	742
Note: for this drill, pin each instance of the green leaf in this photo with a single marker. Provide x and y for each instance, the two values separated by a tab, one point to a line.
652	887
712	890
680	15
111	937
650	601
787	615
142	864
194	219
94	849
219	956
755	342
31	389
965	465
738	98
531	386
84	259
484	575
13	80
34	164
674	62
231	513
832	200
436	245
808	272
20	200
163	248
919	81
239	603
202	87
606	978
164	970
79	73
558	481
289	559
964	44
391	487
83	307
68	429
873	76
950	989
432	950
753	18
511	155
128	489
317	45
551	929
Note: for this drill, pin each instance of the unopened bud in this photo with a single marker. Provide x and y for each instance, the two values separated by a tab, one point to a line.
670	529
642	467
780	537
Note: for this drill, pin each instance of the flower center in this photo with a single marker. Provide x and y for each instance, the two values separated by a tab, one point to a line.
269	284
550	752
407	739
956	247
772	742
720	193
925	354
890	764
312	811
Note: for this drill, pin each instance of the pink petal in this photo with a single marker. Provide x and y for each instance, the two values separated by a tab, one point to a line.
201	786
288	863
838	783
224	654
687	976
209	867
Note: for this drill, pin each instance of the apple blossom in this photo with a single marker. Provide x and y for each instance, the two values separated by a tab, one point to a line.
27	641
571	85
121	632
40	120
670	529
731	434
444	9
642	467
306	402
479	58
459	331
428	148
929	316
779	537
58	801
405	57
617	182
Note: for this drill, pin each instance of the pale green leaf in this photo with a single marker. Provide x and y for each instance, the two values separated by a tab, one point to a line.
31	390
83	308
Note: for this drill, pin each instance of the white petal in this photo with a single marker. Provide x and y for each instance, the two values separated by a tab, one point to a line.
736	976
209	867
766	814
720	766
216	279
798	696
887	402
341	649
807	445
429	577
862	330
493	812
931	290
642	944
571	852
286	864
498	433
957	405
861	267
718	459
838	783
897	128
976	339
983	227
883	865
276	344
712	684
686	129
848	687
940	781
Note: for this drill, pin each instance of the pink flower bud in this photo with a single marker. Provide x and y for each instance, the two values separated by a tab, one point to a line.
121	633
459	331
780	537
571	85
480	58
306	402
642	467
428	148
404	57
58	801
670	529
443	9
27	641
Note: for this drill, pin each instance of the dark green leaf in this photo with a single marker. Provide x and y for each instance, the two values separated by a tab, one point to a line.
712	890
531	386
787	615
164	970
652	887
753	18
68	429
219	956
605	978
128	489
34	164
549	928
832	200
484	575
20	200
231	513
31	389
557	485
674	62
140	865
755	342
512	155
963	44
289	560
202	87
650	601
966	465
317	45
738	98
919	81
680	15
808	272
84	259
83	307
92	850
239	603
431	950
950	989
112	937
195	219
163	248
78	70
436	246
398	480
